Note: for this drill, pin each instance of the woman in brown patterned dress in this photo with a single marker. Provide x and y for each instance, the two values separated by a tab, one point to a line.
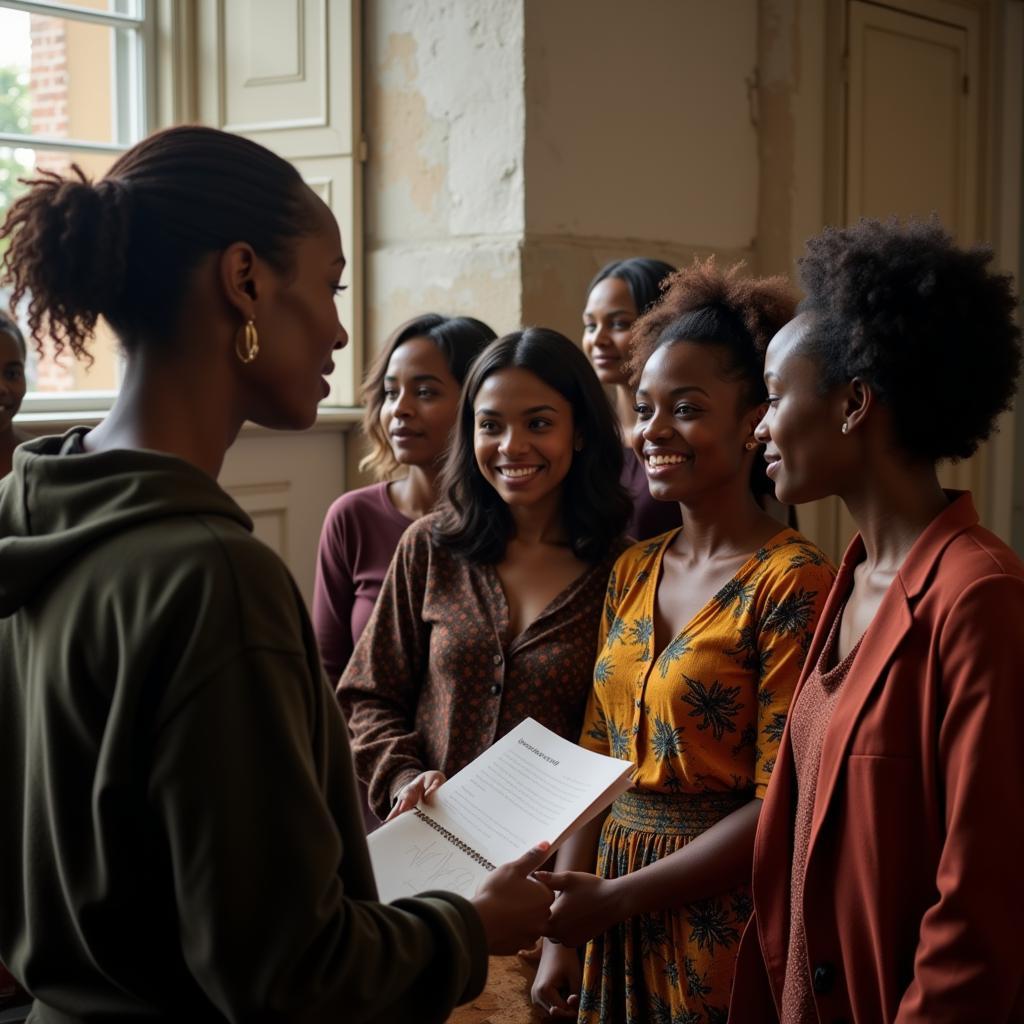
490	610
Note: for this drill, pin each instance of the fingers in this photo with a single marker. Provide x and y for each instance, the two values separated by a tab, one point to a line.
550	1001
408	798
557	880
434	781
530	861
531	955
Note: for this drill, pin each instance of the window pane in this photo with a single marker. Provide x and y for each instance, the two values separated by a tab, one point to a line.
75	77
47	374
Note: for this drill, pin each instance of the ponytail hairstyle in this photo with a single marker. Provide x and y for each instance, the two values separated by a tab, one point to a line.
125	247
460	338
738	315
474	522
643	277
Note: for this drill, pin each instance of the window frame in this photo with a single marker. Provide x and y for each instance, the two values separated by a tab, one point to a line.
183	78
131	125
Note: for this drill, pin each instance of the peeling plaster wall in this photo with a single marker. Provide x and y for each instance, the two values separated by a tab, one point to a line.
444	183
639	140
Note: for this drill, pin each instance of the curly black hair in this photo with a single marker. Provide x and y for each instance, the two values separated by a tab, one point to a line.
929	325
474	522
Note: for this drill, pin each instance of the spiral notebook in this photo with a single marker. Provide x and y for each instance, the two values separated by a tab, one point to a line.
529	787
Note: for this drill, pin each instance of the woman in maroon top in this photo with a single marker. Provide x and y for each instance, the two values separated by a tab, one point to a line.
618	294
490	609
411	396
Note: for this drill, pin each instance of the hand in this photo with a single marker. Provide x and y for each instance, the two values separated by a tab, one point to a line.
556	988
421	788
513	906
586	906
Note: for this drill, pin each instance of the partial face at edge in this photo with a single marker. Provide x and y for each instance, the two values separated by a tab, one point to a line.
523	437
12	378
801	429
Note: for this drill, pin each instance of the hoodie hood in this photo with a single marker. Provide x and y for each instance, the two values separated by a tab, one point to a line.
59	500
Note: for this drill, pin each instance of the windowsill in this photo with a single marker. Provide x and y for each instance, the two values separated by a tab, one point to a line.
330	418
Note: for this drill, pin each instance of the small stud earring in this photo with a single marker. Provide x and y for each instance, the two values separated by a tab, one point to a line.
845	428
750	445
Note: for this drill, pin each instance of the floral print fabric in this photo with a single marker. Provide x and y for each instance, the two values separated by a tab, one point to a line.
702	720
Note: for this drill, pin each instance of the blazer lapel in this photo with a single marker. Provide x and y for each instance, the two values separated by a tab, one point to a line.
890	625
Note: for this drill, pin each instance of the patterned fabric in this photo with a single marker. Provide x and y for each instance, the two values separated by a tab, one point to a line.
436	678
811	713
702	721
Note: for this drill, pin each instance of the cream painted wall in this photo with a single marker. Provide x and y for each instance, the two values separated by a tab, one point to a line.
640	140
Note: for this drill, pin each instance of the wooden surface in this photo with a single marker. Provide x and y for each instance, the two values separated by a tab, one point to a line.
506	997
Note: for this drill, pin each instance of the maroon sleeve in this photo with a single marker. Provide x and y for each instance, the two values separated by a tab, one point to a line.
334	593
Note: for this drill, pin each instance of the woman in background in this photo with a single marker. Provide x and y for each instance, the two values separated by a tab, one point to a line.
887	868
702	641
490	609
411	396
183	840
13	354
619	293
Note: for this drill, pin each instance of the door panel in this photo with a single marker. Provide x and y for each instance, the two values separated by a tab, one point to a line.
912	142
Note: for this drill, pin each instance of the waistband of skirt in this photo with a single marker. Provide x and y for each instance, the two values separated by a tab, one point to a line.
675	814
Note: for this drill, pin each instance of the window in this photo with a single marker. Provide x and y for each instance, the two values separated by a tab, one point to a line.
75	87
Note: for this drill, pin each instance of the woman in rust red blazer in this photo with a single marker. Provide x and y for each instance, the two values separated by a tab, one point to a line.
887	874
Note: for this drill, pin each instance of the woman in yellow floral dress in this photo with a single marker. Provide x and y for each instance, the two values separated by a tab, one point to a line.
704	636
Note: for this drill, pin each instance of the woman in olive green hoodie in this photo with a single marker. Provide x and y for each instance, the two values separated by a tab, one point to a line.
182	836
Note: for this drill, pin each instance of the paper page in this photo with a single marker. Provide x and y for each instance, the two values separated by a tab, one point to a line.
532	785
410	857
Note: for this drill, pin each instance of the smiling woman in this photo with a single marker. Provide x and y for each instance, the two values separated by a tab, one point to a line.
701	644
619	293
490	610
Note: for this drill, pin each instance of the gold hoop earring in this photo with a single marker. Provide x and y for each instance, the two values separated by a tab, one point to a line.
247	348
750	445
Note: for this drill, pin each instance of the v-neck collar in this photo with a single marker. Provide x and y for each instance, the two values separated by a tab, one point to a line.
502	608
757	558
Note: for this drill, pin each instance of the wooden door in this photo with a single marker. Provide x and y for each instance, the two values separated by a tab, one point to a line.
912	136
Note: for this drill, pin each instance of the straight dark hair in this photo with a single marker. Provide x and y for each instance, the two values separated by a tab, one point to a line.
643	277
474	522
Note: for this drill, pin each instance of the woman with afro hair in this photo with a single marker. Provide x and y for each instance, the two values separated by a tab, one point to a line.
887	883
702	641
